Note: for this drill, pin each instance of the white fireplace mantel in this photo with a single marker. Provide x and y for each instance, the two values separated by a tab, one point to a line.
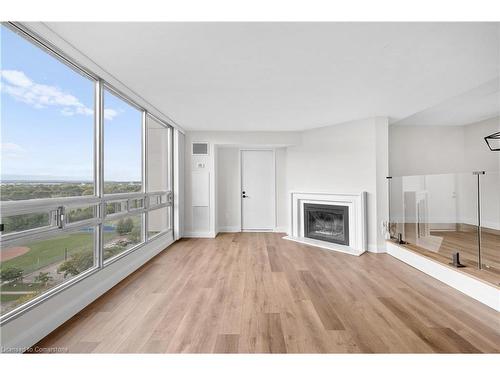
356	204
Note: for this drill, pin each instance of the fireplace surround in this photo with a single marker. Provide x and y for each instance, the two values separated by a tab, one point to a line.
354	221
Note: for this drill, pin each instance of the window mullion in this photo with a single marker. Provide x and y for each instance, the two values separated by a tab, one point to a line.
99	169
144	175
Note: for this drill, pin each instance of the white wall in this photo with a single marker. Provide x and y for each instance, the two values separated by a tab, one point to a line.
345	158
349	157
441	151
228	189
282	192
179	185
417	150
228	215
477	156
204	221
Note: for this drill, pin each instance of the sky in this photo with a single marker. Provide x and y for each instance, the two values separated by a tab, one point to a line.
47	122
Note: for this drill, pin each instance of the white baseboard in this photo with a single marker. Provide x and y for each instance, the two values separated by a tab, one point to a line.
373	248
229	229
490	225
484	223
281	230
208	234
480	291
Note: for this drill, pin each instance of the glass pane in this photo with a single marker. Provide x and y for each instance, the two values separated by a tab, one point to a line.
158	221
31	268
47	121
136	204
121	234
19	223
158	150
75	214
157	199
116	207
122	146
437	215
490	222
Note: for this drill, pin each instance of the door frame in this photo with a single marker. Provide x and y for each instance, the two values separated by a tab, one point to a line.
240	163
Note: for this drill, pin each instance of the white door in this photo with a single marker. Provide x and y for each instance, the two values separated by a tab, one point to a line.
257	190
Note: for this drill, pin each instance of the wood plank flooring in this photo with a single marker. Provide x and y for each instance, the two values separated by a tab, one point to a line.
258	293
465	241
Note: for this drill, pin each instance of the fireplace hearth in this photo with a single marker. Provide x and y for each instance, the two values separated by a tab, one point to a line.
327	222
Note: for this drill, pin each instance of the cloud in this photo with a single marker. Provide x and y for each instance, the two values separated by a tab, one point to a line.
110	114
12	150
16	78
19	86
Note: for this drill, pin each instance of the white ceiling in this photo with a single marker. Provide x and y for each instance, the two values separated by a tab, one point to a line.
292	76
480	103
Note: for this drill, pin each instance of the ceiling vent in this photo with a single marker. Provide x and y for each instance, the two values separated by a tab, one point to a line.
200	148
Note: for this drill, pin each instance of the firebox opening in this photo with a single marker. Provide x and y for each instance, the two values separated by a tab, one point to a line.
327	223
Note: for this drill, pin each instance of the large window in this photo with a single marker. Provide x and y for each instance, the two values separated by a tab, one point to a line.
122	146
68	211
47	124
121	234
158	176
158	171
31	267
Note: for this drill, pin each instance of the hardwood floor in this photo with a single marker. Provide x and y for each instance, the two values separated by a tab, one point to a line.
258	293
465	241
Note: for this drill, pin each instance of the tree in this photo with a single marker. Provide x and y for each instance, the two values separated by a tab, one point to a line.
43	278
11	274
135	235
78	262
124	226
17	223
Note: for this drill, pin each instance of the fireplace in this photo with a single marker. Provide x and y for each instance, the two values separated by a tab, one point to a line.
327	222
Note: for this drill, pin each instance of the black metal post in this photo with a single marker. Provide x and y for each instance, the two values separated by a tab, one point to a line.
389	179
479	260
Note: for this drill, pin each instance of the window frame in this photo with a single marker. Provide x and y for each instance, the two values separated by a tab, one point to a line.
119	95
98	199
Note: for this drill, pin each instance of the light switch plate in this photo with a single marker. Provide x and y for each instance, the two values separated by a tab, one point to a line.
199	163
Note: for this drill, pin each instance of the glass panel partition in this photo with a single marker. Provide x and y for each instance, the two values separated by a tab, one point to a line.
489	189
444	214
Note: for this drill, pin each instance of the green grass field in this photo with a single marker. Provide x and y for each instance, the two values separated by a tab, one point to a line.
18	287
45	252
9	297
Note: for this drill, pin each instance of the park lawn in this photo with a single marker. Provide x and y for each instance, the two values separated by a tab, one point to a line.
45	252
48	251
16	287
10	297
